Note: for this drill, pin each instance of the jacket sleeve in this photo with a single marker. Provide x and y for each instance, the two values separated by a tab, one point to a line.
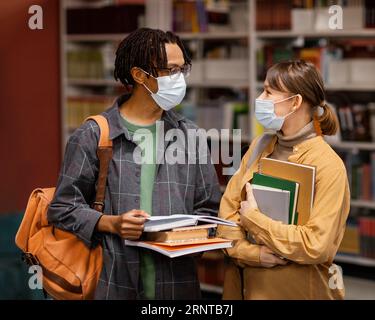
75	190
207	189
311	243
243	251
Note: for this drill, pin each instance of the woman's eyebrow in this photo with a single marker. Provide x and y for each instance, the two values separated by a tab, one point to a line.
172	65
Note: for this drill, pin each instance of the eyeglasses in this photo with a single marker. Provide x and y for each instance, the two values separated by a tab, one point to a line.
175	72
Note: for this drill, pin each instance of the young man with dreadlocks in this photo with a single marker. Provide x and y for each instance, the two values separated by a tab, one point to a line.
154	63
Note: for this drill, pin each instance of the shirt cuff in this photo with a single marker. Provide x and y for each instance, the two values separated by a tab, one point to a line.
255	222
88	232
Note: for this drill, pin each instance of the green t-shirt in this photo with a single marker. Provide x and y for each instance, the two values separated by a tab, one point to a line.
148	135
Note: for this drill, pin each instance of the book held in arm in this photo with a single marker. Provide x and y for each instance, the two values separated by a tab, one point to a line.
276	197
302	174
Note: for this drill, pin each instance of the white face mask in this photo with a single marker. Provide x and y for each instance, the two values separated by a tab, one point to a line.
265	113
170	91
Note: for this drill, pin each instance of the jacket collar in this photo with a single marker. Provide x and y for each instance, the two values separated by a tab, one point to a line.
298	150
116	128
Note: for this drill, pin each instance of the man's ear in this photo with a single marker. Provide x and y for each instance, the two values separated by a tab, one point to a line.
138	75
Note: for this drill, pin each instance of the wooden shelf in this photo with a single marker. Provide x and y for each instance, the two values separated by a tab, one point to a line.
340	87
93	82
107	37
351	87
203	84
370	146
362	203
95	37
363	33
214	35
235	84
357	260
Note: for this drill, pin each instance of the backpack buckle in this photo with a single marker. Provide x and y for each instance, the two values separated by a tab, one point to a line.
98	203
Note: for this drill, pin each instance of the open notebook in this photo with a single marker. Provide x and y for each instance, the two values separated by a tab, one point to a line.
160	223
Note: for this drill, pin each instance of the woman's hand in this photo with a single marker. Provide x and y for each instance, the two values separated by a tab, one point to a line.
250	202
269	259
128	225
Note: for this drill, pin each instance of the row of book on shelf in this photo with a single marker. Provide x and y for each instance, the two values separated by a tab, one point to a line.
359	237
310	15
210	16
94	62
78	108
120	17
220	62
360	168
344	62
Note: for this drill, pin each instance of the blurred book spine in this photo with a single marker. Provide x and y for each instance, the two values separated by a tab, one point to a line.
367	236
310	15
81	107
122	17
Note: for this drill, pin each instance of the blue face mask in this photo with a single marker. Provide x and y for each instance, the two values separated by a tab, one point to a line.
265	113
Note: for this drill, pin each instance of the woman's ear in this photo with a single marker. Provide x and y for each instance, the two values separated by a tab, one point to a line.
138	75
297	102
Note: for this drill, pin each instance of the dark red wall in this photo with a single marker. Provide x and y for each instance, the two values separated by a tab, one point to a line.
29	102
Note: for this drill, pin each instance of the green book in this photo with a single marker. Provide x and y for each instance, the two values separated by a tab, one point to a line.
282	184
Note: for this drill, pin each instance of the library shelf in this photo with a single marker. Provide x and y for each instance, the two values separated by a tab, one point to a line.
197	84
340	86
362	33
95	37
353	145
92	82
353	259
104	37
362	203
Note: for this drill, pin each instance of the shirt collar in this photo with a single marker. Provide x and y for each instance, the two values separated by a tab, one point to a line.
116	128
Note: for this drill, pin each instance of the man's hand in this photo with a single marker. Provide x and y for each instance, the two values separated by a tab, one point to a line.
128	225
250	202
269	259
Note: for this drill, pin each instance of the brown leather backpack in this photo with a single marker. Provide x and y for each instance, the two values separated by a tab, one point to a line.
70	269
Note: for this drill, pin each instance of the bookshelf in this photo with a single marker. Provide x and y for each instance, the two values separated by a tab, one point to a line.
352	259
251	39
293	37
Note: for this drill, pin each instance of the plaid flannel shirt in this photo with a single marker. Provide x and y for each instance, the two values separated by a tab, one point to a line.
178	188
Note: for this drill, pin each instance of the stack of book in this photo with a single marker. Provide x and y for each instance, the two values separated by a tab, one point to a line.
181	234
284	190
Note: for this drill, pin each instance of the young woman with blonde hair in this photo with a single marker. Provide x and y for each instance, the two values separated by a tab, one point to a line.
288	261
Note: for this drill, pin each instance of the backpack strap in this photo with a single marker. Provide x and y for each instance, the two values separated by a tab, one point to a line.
261	144
104	153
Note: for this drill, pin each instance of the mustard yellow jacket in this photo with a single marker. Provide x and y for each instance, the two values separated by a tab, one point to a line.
310	248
